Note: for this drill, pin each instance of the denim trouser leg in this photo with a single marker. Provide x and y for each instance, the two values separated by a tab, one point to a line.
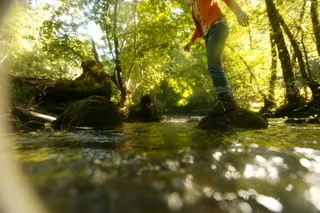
215	42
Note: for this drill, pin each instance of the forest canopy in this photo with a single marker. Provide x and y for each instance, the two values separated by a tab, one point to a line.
139	43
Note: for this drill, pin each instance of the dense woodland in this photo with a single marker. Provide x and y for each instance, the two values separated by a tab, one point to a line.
138	44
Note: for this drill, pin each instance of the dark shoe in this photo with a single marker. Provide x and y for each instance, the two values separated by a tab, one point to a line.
225	104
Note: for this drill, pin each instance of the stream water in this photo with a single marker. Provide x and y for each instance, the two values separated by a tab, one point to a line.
175	167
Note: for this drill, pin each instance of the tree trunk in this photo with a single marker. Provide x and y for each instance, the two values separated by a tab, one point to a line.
313	85
118	70
269	101
95	52
292	92
305	55
315	23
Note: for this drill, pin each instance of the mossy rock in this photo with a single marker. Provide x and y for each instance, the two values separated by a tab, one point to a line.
143	114
237	119
96	112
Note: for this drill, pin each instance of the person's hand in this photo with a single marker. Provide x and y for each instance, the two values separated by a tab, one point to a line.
242	18
188	46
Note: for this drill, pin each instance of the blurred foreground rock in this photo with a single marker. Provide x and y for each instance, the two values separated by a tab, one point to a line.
237	119
95	112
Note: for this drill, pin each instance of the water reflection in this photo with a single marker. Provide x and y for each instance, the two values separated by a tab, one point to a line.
270	203
314	195
175	167
175	202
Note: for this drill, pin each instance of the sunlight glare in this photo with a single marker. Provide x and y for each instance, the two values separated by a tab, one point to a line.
172	165
270	203
315	196
175	202
245	207
277	160
177	11
217	155
207	191
244	194
213	167
255	2
289	187
94	31
230	196
305	162
188	181
254	172
217	196
232	173
260	159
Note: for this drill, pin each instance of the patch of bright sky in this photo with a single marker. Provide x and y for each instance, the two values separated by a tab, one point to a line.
39	3
177	11
255	2
93	31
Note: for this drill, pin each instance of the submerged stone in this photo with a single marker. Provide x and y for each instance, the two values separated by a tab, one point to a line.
32	126
237	119
312	120
295	121
96	112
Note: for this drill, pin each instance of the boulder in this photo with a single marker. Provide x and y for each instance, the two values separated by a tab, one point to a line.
237	119
96	112
57	97
145	114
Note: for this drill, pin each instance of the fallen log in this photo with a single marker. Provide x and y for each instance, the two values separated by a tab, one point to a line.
56	95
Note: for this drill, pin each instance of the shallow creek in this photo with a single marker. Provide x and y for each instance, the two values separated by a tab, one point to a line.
175	167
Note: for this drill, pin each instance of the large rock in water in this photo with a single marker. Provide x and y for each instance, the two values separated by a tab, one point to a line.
237	119
96	112
145	112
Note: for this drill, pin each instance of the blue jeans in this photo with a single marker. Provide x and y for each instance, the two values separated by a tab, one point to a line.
215	41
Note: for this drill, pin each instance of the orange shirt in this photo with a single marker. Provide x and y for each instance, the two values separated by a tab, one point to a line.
205	12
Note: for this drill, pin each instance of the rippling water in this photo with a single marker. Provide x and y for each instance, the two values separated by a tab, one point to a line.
175	167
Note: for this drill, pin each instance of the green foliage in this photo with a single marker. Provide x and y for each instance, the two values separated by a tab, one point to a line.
23	46
51	40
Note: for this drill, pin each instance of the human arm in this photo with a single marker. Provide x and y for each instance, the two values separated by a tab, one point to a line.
192	40
195	36
188	46
242	17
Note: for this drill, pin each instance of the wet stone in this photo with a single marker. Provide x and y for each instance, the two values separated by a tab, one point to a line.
237	119
96	112
295	121
311	120
32	126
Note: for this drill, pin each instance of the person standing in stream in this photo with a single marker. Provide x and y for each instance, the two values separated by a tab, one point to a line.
211	24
